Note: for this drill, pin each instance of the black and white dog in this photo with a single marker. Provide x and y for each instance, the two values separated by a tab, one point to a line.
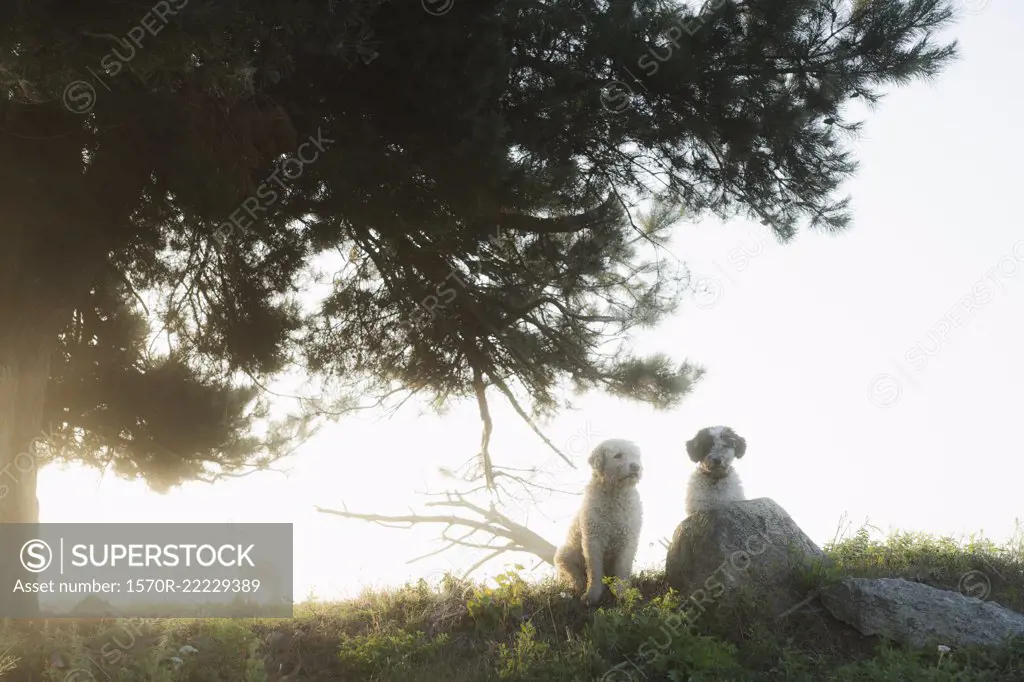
715	483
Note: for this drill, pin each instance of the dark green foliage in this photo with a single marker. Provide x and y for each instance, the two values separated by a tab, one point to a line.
469	160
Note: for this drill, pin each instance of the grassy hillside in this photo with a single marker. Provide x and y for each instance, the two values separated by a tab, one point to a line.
514	630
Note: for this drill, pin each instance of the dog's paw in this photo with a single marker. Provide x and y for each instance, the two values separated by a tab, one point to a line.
594	595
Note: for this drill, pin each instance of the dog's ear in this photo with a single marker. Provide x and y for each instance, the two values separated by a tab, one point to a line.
741	446
692	449
596	459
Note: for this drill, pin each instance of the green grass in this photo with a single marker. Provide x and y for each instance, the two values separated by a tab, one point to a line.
513	630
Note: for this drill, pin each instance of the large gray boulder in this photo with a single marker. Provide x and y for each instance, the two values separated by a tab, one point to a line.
751	547
916	614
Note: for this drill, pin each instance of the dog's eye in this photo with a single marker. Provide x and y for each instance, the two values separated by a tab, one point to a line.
618	455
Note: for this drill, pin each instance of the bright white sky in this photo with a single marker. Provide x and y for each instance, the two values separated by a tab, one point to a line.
796	338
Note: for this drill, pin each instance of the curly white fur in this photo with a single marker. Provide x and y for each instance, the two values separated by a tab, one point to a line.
715	482
604	536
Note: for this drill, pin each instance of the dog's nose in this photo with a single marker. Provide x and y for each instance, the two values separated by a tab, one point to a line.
634	468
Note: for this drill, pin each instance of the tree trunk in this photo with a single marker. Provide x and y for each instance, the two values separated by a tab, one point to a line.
61	227
23	449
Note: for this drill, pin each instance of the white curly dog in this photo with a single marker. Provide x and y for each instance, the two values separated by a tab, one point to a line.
605	533
715	482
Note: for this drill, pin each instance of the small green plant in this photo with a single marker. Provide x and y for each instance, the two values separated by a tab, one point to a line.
816	574
494	607
530	658
626	595
657	640
524	655
388	653
255	669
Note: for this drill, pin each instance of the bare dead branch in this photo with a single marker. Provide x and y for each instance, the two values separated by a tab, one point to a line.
522	413
519	538
485	417
434	553
495	553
